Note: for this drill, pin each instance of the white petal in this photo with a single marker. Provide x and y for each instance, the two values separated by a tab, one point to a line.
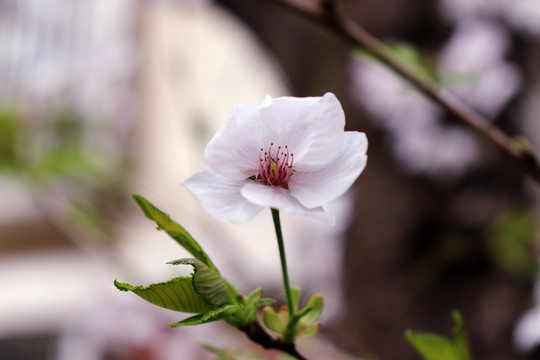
316	188
234	151
221	197
279	198
311	127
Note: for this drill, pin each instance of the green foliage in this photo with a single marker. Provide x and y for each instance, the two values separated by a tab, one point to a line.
247	313
422	64
276	321
45	150
436	347
207	317
433	347
205	292
89	217
408	55
511	244
207	283
53	149
177	294
10	130
460	336
303	323
316	304
174	230
61	163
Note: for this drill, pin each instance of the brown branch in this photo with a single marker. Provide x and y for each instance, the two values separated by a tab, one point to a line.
327	14
257	334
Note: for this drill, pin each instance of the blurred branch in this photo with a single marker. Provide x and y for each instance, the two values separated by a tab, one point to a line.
257	334
326	13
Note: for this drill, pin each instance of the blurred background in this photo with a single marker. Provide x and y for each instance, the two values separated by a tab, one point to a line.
101	99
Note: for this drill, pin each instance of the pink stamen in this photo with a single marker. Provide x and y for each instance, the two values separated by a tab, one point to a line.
275	168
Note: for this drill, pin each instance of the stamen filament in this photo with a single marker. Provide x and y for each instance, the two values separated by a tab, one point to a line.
275	168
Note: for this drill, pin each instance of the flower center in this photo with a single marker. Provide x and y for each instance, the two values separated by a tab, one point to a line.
275	167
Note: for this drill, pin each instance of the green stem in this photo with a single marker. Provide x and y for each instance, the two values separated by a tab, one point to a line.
286	285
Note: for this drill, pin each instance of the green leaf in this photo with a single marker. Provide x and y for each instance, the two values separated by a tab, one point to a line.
176	294
302	323
209	316
88	217
174	230
247	313
294	327
406	54
316	304
276	322
254	296
62	162
511	244
433	347
308	316
311	330
207	282
265	301
10	132
460	336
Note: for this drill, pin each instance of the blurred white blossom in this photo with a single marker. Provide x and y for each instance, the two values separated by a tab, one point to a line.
476	53
421	141
522	15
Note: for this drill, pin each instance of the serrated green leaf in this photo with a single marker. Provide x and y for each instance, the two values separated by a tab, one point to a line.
433	347
209	316
207	282
174	230
176	294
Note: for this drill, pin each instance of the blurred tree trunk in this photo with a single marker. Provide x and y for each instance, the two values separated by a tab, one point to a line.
417	249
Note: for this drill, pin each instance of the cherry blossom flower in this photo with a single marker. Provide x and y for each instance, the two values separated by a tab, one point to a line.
291	154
